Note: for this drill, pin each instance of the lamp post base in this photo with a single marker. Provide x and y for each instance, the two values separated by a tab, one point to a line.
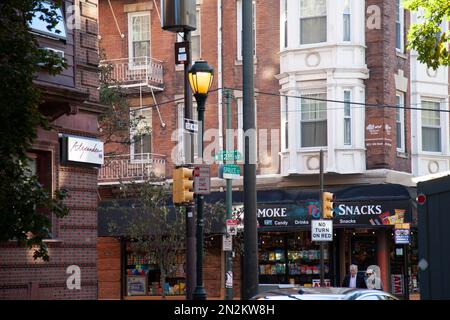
199	293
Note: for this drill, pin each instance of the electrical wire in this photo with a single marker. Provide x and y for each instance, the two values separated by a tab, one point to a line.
356	105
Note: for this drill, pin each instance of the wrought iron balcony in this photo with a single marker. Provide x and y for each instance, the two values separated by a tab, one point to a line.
125	168
134	72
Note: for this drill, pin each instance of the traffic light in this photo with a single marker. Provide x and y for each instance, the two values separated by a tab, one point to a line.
183	185
328	199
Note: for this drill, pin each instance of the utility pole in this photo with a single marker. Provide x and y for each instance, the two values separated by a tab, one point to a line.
322	215
249	286
229	198
189	159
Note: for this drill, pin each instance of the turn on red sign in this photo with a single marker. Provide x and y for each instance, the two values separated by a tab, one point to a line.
322	230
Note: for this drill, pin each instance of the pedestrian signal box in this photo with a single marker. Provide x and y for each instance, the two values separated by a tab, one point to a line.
183	185
328	199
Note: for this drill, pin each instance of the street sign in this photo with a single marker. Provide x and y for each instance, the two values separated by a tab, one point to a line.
232	227
227	242
322	230
228	155
202	179
190	125
231	171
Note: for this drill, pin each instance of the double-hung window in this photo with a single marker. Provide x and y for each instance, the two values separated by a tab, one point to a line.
346	21
399	26
431	126
400	121
313	21
139	38
347	118
239	29
313	120
141	133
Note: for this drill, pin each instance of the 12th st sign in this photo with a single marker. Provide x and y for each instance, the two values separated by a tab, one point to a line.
322	230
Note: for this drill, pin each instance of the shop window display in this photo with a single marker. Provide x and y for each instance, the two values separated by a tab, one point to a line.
291	258
143	276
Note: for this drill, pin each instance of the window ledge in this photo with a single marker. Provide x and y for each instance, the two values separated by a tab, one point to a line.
401	54
239	62
402	154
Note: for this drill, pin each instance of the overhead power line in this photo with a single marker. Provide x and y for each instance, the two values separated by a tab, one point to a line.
360	104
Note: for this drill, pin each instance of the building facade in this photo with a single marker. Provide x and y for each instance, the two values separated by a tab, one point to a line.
330	75
70	101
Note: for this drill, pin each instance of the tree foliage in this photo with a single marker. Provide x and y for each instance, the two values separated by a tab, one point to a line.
427	36
116	124
23	200
155	229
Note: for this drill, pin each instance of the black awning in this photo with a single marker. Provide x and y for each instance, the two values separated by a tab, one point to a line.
298	204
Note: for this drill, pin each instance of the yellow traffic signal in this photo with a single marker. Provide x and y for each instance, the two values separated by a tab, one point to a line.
328	199
183	185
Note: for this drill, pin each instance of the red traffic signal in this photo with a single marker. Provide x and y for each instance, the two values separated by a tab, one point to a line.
421	198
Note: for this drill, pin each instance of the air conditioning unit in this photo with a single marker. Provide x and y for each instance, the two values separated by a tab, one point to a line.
60	53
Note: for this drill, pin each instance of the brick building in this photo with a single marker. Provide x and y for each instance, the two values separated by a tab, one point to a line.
331	75
70	101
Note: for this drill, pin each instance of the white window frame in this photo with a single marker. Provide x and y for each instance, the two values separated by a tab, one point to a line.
239	29
285	122
301	121
241	134
348	117
309	17
132	15
284	26
400	21
132	134
400	118
40	27
347	12
440	127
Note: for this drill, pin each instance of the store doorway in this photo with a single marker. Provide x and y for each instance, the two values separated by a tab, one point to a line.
363	251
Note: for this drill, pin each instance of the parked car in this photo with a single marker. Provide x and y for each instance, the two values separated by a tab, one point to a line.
328	293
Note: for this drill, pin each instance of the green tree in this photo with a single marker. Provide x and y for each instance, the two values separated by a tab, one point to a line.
116	124
427	36
23	201
156	230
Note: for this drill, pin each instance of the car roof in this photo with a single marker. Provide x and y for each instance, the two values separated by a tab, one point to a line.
316	293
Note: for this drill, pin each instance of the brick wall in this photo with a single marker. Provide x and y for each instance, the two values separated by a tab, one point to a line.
109	268
384	63
162	48
75	236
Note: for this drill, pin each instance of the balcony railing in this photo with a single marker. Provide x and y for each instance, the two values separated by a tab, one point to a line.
139	168
134	72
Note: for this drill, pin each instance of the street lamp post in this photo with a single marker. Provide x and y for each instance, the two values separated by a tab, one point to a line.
200	79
